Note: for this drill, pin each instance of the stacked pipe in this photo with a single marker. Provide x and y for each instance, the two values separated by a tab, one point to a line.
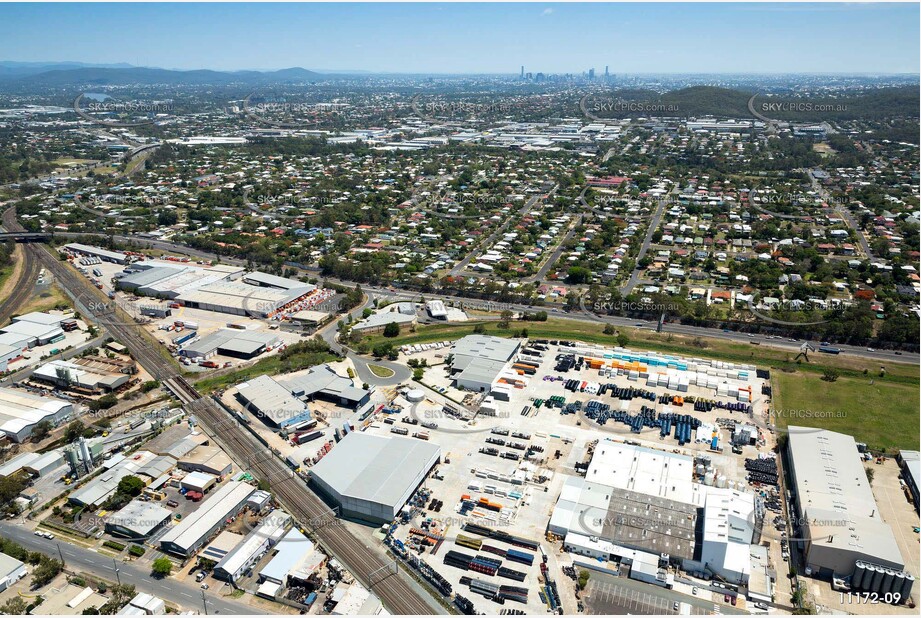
464	605
518	576
485	565
431	575
763	471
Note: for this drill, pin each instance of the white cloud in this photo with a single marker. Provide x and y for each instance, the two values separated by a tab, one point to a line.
547	12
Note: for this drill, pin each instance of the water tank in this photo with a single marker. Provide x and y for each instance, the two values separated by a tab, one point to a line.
721	481
709	477
885	584
857	578
868	577
701	469
897	583
877	580
415	395
906	587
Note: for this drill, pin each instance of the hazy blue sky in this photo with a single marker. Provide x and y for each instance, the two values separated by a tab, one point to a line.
465	38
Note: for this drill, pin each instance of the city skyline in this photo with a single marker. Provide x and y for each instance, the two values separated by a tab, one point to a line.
482	39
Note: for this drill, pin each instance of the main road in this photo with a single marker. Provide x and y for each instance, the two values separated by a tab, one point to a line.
79	559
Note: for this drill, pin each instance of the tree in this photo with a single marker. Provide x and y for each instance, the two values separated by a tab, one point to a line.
162	567
131	486
13	607
41	430
74	430
583	578
479	329
392	330
830	374
623	340
47	569
870	474
609	329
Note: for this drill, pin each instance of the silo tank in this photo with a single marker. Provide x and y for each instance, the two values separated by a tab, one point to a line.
906	587
874	584
857	577
873	574
886	583
897	583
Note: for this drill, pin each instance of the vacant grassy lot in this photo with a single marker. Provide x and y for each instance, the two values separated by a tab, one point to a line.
273	365
882	413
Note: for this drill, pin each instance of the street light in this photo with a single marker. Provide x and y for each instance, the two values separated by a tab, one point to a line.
118	577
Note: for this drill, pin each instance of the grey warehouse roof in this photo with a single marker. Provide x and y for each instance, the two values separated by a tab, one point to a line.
374	468
484	347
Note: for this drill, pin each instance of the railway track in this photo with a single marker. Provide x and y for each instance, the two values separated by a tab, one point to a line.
367	563
27	276
370	565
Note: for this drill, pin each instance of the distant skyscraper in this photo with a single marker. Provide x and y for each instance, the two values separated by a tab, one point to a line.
606	73
522	71
591	74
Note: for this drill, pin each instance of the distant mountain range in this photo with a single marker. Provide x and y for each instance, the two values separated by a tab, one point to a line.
73	73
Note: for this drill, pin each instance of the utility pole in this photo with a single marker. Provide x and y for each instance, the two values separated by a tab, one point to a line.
118	576
60	554
204	603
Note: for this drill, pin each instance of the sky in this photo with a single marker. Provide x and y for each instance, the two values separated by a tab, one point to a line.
473	38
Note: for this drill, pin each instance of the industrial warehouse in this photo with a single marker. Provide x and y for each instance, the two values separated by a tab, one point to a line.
193	532
235	343
282	402
21	411
843	535
636	498
370	478
478	361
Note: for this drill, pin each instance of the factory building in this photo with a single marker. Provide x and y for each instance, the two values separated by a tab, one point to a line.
635	498
138	520
477	361
33	333
168	280
105	255
102	487
910	462
205	458
274	404
370	478
21	411
243	344
238	298
85	374
840	521
194	530
323	383
270	530
11	571
11	348
401	314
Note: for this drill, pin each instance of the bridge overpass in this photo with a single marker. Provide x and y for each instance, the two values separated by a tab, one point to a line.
26	236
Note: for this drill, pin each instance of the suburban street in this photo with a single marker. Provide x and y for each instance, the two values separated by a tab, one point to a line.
78	559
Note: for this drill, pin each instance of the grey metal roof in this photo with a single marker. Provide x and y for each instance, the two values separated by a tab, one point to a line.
322	379
139	517
208	515
148	277
374	468
484	347
270	398
834	494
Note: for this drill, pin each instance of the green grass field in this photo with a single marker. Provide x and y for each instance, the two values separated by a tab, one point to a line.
882	414
644	339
